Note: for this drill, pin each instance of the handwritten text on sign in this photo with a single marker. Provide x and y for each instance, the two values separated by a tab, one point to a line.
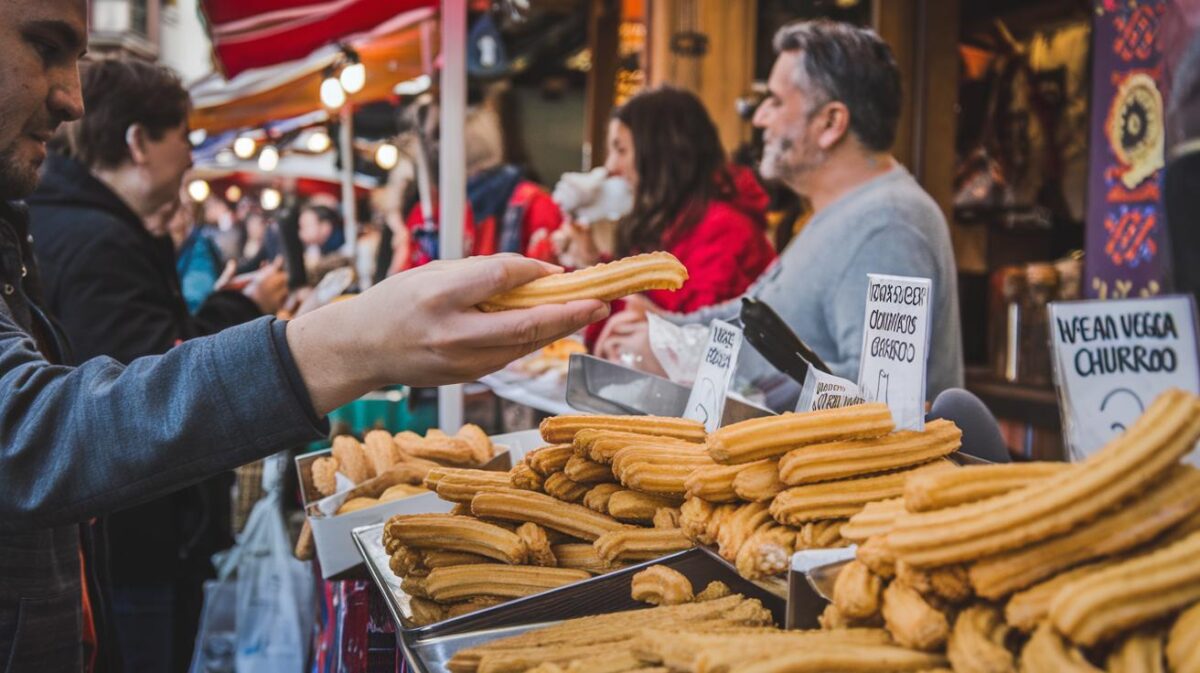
1112	358
707	400
895	344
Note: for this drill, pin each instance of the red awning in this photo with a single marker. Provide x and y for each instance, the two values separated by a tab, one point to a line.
257	33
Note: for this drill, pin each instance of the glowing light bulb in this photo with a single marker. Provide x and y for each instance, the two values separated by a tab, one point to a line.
198	190
318	141
353	77
268	158
244	147
233	194
270	199
332	93
387	156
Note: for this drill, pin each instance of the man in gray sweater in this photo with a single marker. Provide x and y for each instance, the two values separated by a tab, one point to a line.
828	125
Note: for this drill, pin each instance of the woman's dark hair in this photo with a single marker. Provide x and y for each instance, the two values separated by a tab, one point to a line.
680	165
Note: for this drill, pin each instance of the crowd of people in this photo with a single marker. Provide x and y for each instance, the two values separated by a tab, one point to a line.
141	356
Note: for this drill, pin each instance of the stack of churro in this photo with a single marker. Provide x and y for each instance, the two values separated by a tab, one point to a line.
1041	567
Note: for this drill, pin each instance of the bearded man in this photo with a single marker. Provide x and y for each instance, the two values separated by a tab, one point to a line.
828	125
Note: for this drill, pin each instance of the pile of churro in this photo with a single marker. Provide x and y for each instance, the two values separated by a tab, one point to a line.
1041	566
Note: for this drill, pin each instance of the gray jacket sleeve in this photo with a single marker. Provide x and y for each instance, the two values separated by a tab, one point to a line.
77	442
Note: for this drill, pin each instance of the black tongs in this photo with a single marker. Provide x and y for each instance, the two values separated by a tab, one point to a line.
772	337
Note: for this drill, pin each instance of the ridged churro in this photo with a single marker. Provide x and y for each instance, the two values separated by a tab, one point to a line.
841	499
878	555
1026	609
847	658
911	620
481	445
524	477
773	436
549	459
767	552
946	583
471	605
627	505
666	517
656	478
976	643
1139	652
559	429
442	449
759	482
714	483
414	585
694	650
876	518
974	482
854	457
661	585
544	510
640	544
564	488
460	485
857	592
601	445
457	533
425	611
606	282
538	543
406	561
597	497
587	471
1047	652
380	450
685	456
468	581
738	528
583	557
1183	642
352	460
1155	442
1168	502
441	558
1128	594
324	475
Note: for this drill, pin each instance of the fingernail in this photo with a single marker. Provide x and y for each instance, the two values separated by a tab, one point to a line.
600	313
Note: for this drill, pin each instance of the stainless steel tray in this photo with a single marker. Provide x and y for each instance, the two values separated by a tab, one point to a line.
603	387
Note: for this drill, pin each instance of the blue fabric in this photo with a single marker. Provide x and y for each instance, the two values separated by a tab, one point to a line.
199	267
144	626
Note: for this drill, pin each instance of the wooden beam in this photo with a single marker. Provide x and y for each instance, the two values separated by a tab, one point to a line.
604	22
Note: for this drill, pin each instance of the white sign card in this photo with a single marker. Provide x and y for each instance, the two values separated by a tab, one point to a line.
1113	357
826	391
895	346
707	400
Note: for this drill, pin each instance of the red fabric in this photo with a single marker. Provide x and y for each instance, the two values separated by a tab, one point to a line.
88	619
724	252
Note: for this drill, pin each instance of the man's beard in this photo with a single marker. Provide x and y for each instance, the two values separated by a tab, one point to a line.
18	178
787	161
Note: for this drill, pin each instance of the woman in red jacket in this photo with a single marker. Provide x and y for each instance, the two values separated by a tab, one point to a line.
687	200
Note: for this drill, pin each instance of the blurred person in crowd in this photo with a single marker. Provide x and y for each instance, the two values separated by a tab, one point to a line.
321	231
221	224
829	123
98	220
264	242
80	442
197	260
688	200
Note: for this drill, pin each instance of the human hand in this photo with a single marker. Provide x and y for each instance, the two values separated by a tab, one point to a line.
574	245
268	287
421	328
629	344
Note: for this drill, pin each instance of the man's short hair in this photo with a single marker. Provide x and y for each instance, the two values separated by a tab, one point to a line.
118	93
842	62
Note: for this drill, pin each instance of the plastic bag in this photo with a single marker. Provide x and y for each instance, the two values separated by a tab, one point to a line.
677	348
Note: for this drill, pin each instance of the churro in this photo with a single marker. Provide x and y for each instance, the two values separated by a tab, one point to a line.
606	282
687	456
601	445
352	461
715	589
773	436
400	492
406	561
1156	441
661	585
876	518
1183	642
666	517
657	478
1139	652
425	611
974	482
585	471
380	450
481	445
564	488
414	585
1047	652
845	658
1168	502
468	581
878	555
759	482
440	448
640	544
324	475
457	533
460	485
582	557
976	644
1026	609
767	552
538	543
693	518
1129	593
911	620
947	583
841	499
714	483
854	457
559	429
597	497
633	506
549	459
738	528
720	652
355	504
523	476
857	592
544	510
441	558
471	605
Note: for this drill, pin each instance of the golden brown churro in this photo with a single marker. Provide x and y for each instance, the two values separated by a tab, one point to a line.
538	543
767	552
1129	593
666	517
714	483
549	459
947	583
324	475
1046	652
606	282
876	518
523	476
481	445
855	457
857	592
457	533
1026	609
559	429
656	478
841	499
845	658
738	528
773	436
641	544
974	482
380	450
977	642
597	497
1155	442
425	611
471	605
685	456
911	620
602	445
544	510
460	485
585	471
355	504
1183	642
759	482
878	556
562	487
661	585
583	557
1139	652
440	558
468	581
627	505
352	460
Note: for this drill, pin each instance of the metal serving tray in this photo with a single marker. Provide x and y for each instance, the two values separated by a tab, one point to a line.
603	387
428	648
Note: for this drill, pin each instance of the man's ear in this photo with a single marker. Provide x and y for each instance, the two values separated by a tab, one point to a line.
833	124
136	140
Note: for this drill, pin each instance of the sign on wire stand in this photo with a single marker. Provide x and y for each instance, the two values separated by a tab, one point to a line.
895	346
707	400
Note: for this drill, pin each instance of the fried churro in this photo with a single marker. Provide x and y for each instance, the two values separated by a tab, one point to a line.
549	459
656	478
948	583
738	528
626	505
911	620
715	589
564	488
355	504
714	483
597	497
974	482
324	475
469	581
666	517
1171	500
544	510
855	457
558	429
606	282
471	605
352	460
759	482
767	552
641	544
773	436
687	456
1026	609
1047	652
841	499
460	485
538	543
406	561
425	611
457	533
720	652
586	471
583	557
481	445
441	558
976	644
878	555
414	585
1183	642
601	445
857	592
661	585
524	477
1155	442
876	518
1129	593
845	658
1139	652
380	450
